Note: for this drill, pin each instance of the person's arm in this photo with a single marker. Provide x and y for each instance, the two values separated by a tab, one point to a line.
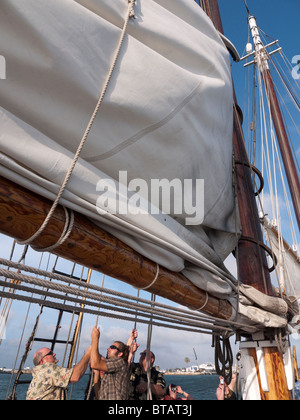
132	350
156	390
96	359
185	394
80	368
233	383
132	337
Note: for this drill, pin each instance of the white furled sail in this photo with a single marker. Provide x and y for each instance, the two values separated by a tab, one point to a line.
167	115
163	130
288	262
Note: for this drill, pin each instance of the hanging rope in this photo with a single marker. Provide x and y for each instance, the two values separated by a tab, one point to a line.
223	358
130	14
148	353
247	8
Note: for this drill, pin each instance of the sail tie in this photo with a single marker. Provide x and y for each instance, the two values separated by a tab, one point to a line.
205	303
69	224
130	14
153	282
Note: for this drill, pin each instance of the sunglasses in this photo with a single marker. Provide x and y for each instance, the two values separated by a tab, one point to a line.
143	355
48	354
115	348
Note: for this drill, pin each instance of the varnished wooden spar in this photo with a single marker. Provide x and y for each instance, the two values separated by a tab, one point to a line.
253	268
253	265
23	212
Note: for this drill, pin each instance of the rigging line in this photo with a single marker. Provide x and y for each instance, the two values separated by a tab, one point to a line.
72	319
92	374
190	315
288	134
247	8
77	345
60	288
254	113
289	67
275	149
288	206
148	362
107	291
129	15
151	312
97	318
289	137
30	340
266	150
287	85
69	308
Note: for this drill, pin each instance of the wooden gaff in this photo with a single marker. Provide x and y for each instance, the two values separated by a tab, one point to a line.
23	212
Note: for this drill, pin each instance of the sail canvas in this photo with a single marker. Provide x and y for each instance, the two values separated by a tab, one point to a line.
167	115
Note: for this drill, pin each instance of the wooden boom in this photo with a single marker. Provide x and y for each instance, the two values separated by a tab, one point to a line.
23	212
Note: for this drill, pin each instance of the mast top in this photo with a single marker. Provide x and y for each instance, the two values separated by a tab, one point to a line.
260	49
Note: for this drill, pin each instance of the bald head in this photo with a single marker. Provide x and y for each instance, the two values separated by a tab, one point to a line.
44	355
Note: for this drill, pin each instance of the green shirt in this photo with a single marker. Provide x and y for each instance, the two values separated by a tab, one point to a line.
137	376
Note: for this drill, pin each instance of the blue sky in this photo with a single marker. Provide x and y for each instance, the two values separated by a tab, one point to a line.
279	20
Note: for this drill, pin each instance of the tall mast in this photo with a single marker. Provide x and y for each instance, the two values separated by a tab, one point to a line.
283	141
252	267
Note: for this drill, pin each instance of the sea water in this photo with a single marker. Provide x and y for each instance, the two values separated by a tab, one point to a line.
200	387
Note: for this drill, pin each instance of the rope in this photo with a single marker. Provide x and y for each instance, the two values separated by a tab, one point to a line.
132	303
223	358
148	357
205	303
145	312
130	14
70	308
69	223
153	282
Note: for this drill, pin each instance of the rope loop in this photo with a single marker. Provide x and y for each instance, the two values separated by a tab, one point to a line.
205	303
153	282
223	358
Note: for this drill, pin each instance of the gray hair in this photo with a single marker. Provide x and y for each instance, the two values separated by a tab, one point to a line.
37	358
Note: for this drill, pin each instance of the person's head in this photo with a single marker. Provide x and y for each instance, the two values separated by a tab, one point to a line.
43	356
118	349
143	360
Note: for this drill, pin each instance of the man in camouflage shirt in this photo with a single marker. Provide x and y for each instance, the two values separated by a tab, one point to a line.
139	383
49	381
